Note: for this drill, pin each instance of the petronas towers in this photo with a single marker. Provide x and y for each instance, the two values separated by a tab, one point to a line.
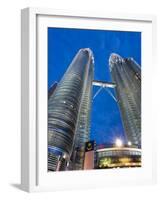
70	103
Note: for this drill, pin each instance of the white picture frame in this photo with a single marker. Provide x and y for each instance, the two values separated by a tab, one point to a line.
34	176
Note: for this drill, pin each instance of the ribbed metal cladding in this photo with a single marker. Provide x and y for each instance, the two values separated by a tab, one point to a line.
126	73
64	106
52	161
83	126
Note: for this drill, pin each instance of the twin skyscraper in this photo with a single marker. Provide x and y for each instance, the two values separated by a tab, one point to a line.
70	104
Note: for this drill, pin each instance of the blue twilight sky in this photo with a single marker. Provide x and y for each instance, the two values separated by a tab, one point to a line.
64	43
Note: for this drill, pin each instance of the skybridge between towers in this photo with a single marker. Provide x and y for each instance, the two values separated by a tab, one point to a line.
104	85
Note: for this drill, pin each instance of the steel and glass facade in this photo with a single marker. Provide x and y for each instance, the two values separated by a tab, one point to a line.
83	126
69	111
126	73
